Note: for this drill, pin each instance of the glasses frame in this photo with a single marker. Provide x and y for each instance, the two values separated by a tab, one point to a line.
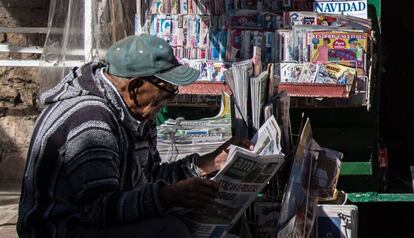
158	83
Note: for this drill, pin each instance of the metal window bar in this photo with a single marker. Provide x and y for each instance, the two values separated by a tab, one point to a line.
7	48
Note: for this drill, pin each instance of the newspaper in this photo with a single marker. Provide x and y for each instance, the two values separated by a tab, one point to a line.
243	176
238	77
279	106
267	140
314	175
258	90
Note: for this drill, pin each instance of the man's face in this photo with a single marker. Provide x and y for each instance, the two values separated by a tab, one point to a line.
353	44
152	95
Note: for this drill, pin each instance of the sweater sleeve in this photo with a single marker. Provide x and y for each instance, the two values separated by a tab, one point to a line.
91	162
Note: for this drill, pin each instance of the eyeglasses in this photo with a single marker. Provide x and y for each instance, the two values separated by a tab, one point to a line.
169	88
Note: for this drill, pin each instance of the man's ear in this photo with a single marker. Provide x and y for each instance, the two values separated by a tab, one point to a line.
133	85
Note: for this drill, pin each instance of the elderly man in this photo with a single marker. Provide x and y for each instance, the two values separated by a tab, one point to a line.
93	169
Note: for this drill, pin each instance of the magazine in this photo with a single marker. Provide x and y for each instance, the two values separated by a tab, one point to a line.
210	70
302	18
343	47
308	73
335	74
243	176
344	21
301	39
299	204
314	175
337	221
290	72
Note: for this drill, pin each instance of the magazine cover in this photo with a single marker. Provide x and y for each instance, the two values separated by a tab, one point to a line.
183	7
210	70
285	38
157	7
235	44
301	39
223	44
215	45
356	8
302	18
337	221
345	48
245	21
314	175
308	73
246	44
271	20
299	202
269	47
204	24
165	27
335	74
166	6
216	71
290	72
350	22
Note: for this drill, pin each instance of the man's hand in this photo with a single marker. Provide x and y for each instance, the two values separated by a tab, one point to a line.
215	160
189	193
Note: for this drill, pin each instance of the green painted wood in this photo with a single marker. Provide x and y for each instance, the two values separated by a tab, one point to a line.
369	197
377	5
356	168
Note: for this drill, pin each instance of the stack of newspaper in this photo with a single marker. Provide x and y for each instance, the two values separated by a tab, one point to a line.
179	138
244	175
238	77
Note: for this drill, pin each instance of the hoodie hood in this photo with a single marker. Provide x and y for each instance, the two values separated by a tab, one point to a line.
78	82
89	80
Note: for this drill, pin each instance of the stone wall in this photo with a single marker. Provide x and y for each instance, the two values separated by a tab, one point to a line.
18	86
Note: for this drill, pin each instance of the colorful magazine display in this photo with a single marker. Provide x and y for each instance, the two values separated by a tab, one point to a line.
344	48
319	46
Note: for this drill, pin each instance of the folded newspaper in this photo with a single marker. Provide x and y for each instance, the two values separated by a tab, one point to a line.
244	175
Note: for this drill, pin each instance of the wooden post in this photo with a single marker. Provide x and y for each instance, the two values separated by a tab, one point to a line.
113	21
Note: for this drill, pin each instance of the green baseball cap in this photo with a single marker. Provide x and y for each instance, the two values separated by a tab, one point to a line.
146	55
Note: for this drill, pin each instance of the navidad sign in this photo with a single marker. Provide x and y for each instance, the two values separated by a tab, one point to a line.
350	8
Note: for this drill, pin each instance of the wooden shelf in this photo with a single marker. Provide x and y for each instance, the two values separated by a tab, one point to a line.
315	90
204	88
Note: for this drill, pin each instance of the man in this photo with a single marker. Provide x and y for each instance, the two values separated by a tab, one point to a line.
93	169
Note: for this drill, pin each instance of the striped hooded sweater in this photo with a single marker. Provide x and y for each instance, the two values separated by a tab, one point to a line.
90	163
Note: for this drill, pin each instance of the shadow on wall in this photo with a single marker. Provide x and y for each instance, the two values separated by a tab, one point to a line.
12	161
15	132
16	119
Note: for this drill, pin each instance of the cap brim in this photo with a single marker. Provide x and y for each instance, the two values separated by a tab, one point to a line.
180	75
